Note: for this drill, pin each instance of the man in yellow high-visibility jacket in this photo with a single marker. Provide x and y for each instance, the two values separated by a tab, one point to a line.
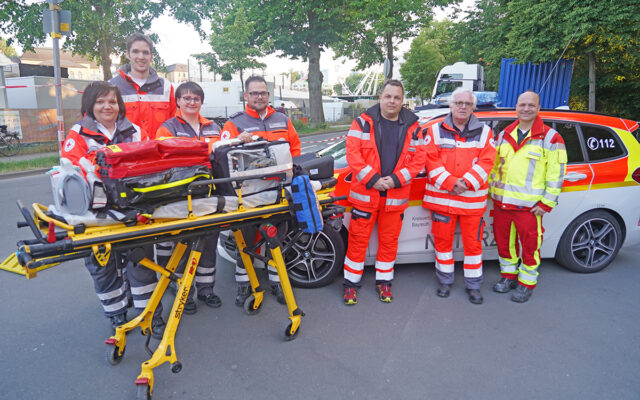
524	184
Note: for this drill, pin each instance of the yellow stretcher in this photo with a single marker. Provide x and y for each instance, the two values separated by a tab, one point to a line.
69	242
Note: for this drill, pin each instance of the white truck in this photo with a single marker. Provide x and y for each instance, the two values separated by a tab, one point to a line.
460	74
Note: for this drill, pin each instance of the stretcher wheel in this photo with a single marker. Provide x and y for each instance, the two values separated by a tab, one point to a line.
248	305
112	355
176	367
286	331
143	393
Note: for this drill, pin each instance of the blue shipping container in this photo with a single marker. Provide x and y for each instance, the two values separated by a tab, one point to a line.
516	78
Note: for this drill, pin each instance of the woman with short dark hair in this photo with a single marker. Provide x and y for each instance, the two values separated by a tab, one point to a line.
104	123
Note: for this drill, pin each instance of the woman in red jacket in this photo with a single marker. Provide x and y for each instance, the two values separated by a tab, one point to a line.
104	123
188	123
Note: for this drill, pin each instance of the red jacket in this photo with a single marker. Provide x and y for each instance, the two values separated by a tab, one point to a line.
364	159
275	126
147	106
452	155
84	139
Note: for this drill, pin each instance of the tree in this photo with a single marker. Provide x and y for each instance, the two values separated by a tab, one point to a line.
604	41
300	30
100	27
353	79
378	26
232	42
429	52
481	38
604	44
7	49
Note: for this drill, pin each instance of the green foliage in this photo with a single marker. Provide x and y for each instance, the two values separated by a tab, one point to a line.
539	30
295	76
353	80
377	27
300	30
7	49
481	38
99	27
232	41
429	52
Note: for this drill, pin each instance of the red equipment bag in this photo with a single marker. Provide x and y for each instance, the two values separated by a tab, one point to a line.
154	172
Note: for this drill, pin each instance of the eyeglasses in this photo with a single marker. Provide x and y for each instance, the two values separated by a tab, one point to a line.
462	103
259	94
187	99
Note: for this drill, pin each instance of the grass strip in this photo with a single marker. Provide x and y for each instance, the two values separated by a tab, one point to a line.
25	165
41	147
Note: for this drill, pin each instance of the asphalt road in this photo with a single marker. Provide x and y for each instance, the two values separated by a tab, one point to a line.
576	338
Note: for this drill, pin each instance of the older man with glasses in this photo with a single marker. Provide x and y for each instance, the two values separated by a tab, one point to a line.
460	154
259	119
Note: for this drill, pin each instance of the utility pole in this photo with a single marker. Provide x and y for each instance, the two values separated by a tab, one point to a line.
56	23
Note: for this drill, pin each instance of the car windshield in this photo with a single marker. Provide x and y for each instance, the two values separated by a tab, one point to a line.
339	153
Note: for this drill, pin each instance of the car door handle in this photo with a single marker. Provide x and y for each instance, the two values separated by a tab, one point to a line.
574	177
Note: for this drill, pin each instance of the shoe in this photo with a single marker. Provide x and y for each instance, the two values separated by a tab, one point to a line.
474	296
350	296
444	290
243	291
276	290
522	294
504	285
157	327
384	291
211	300
117	320
190	306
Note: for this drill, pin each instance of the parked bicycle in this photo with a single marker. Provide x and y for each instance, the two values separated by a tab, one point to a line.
9	142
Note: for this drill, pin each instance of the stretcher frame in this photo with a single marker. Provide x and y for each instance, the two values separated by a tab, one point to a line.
71	242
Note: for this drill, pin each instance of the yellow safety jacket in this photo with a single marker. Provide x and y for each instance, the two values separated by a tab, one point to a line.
530	173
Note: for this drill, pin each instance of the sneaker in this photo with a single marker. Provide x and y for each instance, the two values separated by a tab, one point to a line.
190	306
350	296
276	290
505	285
521	294
117	320
384	291
157	327
242	293
211	299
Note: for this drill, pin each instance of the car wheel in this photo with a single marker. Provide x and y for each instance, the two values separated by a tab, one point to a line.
313	260
590	242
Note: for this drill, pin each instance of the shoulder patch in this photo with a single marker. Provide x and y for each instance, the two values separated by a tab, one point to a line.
225	135
69	145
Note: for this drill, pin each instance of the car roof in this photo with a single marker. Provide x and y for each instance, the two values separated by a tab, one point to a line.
567	115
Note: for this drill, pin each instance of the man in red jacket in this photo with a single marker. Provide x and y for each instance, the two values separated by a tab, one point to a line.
259	119
385	150
148	98
460	155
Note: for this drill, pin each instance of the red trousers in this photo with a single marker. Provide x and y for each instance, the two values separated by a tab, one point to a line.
360	227
443	228
513	227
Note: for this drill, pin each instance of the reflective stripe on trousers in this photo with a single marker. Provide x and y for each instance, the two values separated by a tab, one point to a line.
443	231
518	236
360	229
